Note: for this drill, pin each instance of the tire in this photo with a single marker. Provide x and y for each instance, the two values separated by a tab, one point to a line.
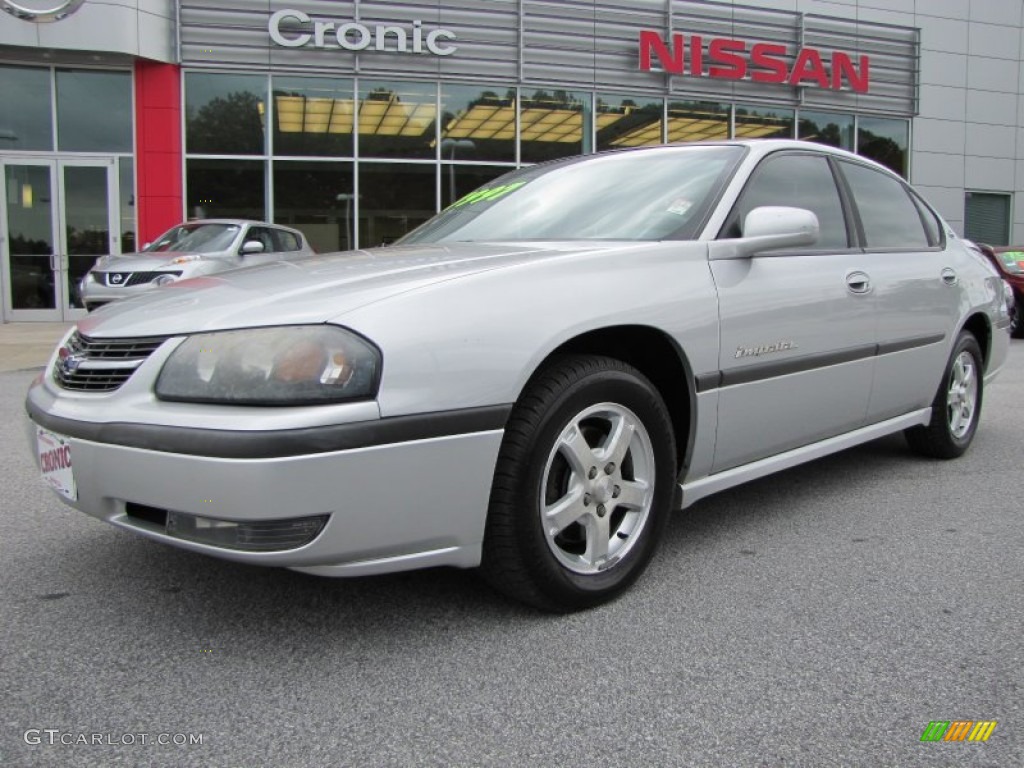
583	485
957	405
1017	320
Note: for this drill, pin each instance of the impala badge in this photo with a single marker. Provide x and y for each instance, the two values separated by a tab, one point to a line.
765	349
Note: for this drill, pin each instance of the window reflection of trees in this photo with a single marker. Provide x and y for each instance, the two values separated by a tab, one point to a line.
885	141
628	123
833	130
551	125
231	124
487	120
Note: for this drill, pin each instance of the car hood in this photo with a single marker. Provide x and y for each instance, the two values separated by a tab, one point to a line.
310	290
142	262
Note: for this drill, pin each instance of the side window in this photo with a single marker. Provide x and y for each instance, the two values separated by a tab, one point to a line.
889	216
799	181
262	235
932	226
285	241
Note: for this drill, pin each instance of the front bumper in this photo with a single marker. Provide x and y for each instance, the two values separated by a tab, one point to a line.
392	505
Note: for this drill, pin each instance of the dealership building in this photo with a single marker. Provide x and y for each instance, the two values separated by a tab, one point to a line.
354	121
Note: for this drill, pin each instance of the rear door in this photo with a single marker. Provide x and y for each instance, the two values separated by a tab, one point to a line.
914	278
797	329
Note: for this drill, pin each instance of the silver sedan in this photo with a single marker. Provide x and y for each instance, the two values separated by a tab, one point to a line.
190	250
534	379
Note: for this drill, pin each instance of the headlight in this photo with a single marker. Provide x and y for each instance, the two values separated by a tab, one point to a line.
184	259
292	365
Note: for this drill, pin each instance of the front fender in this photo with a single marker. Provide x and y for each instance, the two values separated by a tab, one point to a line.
475	340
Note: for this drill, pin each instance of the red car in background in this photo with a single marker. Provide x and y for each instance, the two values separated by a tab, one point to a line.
1009	260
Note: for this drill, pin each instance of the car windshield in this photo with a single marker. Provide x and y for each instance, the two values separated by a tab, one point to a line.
655	194
1013	261
195	238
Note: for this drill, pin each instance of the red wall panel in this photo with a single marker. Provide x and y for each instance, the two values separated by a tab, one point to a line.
158	147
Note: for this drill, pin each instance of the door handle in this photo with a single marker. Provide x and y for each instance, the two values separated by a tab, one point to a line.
949	276
54	262
858	282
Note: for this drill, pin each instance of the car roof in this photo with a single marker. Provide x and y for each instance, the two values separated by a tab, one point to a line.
240	223
760	148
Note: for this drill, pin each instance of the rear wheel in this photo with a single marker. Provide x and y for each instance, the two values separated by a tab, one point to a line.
957	405
583	485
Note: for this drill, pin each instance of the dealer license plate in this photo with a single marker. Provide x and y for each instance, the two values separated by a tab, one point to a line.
55	462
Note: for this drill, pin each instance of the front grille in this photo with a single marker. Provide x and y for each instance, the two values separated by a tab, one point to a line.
101	365
119	279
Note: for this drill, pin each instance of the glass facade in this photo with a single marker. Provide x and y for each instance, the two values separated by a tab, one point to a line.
225	188
754	122
25	122
697	121
884	140
834	130
358	162
627	121
68	193
225	114
477	123
317	197
94	111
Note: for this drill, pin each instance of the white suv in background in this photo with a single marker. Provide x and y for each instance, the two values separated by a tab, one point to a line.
189	250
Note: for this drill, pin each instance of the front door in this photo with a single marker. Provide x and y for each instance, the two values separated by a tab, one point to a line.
797	330
56	218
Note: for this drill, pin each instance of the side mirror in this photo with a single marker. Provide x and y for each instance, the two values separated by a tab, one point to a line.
769	228
252	246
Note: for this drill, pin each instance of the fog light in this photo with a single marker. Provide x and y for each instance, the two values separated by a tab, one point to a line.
252	536
163	280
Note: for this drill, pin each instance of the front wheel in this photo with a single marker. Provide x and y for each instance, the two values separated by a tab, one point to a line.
583	485
1017	319
957	405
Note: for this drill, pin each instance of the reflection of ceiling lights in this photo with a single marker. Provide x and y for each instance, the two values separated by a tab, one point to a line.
379	117
752	128
491	121
557	125
299	114
484	121
497	121
698	128
642	135
395	118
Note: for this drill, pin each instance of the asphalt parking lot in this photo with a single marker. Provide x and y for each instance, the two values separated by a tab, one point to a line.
821	617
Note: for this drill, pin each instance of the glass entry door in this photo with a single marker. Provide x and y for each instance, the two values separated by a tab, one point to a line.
56	218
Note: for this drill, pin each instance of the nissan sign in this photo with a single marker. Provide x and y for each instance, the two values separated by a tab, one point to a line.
730	59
